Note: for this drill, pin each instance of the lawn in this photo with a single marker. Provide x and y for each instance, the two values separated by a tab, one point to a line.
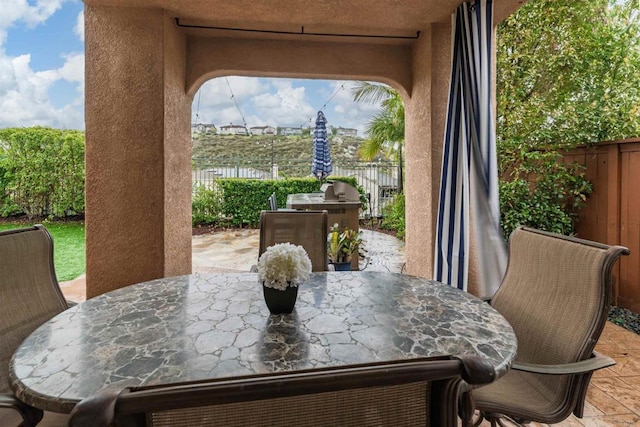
69	247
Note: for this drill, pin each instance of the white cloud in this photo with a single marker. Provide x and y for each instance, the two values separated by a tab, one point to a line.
79	28
21	10
220	116
287	106
279	102
266	101
24	93
24	98
73	68
214	102
14	11
261	101
219	91
347	113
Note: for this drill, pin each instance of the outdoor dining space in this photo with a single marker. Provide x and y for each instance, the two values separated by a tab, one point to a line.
201	327
457	325
213	327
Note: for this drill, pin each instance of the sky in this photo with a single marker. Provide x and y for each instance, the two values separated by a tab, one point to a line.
42	80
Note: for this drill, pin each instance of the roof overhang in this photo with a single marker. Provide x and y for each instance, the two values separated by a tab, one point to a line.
392	21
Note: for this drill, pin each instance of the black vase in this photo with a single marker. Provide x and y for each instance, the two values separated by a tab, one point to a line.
280	302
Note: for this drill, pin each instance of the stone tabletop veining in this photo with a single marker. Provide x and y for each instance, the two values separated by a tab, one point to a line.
212	326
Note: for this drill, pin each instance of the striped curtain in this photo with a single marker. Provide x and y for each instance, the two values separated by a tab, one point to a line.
469	180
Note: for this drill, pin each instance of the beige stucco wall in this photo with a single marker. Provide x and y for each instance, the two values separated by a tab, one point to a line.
211	57
141	74
425	111
177	155
138	113
138	204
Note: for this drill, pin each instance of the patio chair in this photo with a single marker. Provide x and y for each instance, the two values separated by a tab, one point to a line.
273	204
408	393
556	294
29	296
306	228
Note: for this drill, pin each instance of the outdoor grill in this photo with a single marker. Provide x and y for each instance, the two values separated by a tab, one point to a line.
339	191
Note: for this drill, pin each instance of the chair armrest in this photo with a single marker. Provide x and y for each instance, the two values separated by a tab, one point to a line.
30	415
597	361
8	401
97	410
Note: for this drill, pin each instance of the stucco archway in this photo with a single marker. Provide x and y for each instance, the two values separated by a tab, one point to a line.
144	62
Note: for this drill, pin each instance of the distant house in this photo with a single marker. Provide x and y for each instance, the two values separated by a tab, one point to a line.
233	130
340	131
203	128
289	131
263	130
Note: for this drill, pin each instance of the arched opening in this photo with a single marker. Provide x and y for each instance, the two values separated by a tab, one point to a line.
138	105
262	129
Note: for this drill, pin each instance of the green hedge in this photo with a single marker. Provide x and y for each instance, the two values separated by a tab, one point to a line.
41	172
238	202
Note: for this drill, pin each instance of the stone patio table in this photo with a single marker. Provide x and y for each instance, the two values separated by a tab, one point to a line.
199	326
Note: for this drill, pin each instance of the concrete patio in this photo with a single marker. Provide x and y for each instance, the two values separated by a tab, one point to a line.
613	398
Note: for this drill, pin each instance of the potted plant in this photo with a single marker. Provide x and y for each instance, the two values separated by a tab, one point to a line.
281	268
342	246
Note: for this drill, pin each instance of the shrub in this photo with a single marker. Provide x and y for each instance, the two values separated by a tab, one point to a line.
7	206
394	216
542	192
238	201
206	205
244	199
42	172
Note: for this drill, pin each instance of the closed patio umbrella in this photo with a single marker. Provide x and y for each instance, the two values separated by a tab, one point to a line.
321	167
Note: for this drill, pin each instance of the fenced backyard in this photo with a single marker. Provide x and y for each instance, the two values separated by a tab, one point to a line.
612	211
378	179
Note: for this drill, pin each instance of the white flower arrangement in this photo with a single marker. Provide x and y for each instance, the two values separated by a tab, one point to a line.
284	265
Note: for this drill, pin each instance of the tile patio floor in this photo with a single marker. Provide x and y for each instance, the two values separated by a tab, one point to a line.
613	398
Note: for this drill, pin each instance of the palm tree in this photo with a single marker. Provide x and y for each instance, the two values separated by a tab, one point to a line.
386	129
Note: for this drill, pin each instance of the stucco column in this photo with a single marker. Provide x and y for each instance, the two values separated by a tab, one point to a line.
426	112
138	179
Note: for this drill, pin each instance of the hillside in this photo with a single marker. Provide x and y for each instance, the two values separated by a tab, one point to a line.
208	146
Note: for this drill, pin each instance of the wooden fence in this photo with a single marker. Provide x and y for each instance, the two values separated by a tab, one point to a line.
612	212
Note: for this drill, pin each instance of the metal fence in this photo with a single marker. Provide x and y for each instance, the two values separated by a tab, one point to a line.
378	179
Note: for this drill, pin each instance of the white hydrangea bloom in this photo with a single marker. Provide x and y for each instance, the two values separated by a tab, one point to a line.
284	265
